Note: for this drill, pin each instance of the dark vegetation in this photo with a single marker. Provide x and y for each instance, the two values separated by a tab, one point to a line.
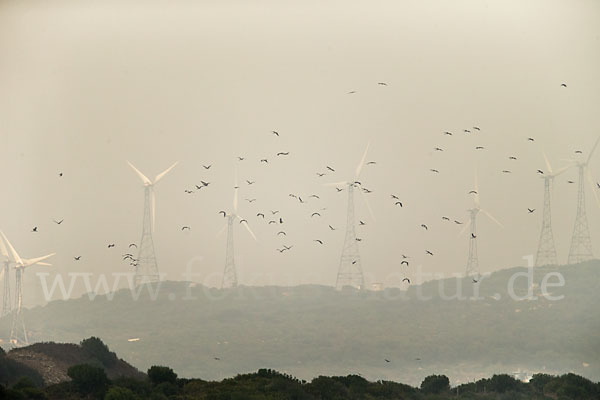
90	382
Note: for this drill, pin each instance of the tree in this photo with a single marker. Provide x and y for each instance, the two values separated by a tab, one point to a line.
159	374
88	379
96	348
120	393
435	384
503	383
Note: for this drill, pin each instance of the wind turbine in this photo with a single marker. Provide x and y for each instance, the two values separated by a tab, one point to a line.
473	260
18	332
146	268
350	271
546	253
230	273
581	242
5	272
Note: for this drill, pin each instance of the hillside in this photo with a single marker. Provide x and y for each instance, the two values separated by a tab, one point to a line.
308	331
47	363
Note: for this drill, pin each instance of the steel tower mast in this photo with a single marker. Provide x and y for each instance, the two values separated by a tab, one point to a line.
350	271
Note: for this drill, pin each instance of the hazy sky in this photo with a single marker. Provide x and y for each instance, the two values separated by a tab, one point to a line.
87	85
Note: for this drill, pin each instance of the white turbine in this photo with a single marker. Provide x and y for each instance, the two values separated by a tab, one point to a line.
229	272
350	271
473	260
18	333
150	184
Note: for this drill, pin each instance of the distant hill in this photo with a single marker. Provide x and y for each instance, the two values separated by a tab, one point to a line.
308	331
47	363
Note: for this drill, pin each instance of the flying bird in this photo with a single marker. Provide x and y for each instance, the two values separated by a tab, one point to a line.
371	163
394	197
250	182
77	258
35	229
315	196
457	222
58	222
281	233
261	215
382	83
111	245
361	223
428	252
398	203
320	174
424	226
338	189
250	200
531	210
563	85
352	92
404	262
264	160
476	128
207	166
530	139
275	133
479	148
60	174
578	152
512	158
185	227
539	171
435	170
283	154
473	236
445	218
315	213
506	171
318	241
438	149
386	360
133	245
332	228
241	158
331	169
473	192
224	213
274	212
243	220
406	279
448	133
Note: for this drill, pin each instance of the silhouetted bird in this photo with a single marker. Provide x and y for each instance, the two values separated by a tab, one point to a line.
58	222
275	133
318	241
207	166
406	279
531	210
185	227
77	258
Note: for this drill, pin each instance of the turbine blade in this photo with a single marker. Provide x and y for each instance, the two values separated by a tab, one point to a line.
368	205
16	257
593	148
247	227
153	200
142	176
31	261
592	186
490	216
342	183
362	161
235	192
221	230
166	171
563	169
476	189
464	228
3	249
547	162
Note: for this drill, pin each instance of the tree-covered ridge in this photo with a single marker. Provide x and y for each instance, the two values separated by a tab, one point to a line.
91	382
310	330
